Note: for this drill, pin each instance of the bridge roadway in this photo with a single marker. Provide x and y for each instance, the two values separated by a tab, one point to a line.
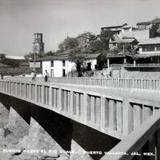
114	111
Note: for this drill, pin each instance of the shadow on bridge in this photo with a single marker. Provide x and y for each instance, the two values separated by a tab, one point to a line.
63	130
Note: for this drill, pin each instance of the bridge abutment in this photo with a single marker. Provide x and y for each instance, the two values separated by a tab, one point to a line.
78	153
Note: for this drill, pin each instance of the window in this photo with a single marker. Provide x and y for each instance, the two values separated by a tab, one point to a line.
158	47
52	63
148	48
64	72
89	66
63	63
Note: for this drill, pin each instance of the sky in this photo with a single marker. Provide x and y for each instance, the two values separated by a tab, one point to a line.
57	19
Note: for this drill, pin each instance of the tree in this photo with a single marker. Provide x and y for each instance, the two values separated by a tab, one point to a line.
153	30
105	36
84	39
68	43
95	46
50	53
78	58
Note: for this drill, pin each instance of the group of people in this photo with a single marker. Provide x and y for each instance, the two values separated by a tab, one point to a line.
46	75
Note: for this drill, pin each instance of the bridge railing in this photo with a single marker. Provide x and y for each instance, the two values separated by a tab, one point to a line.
115	116
152	84
137	65
143	143
111	82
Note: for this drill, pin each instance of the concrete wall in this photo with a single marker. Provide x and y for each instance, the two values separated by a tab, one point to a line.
138	34
137	73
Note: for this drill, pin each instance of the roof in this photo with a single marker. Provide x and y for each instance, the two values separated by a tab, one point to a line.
110	54
92	56
144	23
65	56
125	40
55	57
148	55
4	65
149	41
115	55
154	21
113	27
15	57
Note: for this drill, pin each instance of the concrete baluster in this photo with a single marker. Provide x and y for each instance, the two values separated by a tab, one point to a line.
119	116
65	100
98	111
92	108
36	97
50	96
102	112
137	115
84	107
77	104
147	112
15	93
112	114
71	103
55	102
106	113
59	99
42	94
127	117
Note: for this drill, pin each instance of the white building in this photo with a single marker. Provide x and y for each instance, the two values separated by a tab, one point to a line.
59	65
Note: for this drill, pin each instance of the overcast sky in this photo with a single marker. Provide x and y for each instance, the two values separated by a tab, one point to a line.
20	19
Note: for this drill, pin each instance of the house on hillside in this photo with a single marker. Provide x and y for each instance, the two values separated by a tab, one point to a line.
123	43
115	29
149	51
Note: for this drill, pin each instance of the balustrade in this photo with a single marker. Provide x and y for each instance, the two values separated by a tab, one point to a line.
115	116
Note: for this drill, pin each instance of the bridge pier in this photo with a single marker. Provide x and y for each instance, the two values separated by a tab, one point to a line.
17	124
40	140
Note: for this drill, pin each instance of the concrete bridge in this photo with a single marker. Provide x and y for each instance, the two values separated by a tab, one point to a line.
118	117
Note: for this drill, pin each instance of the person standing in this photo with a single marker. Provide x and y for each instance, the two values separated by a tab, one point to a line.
33	75
46	76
